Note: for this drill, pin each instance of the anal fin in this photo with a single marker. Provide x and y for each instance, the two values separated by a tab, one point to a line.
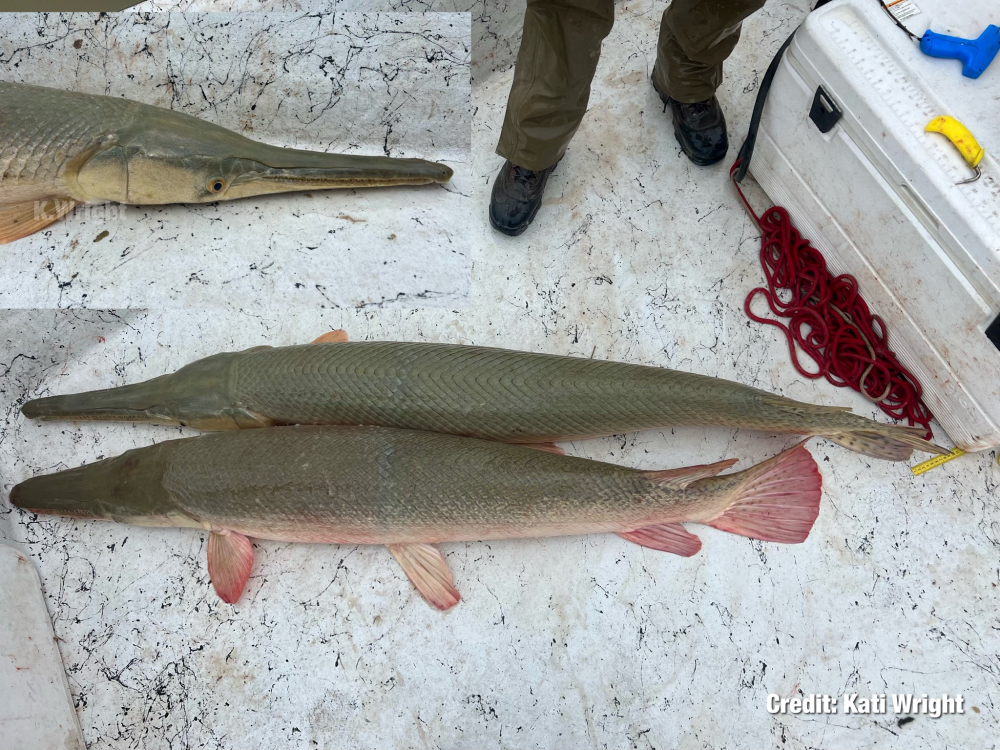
331	337
18	220
230	557
665	537
428	572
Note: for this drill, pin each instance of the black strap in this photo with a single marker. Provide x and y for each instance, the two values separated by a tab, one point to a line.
746	150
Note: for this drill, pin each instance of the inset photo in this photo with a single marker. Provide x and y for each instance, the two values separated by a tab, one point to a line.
207	160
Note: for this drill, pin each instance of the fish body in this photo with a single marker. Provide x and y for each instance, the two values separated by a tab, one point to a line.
410	490
61	148
498	394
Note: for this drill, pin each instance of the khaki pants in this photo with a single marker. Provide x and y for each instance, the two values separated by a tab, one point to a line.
560	47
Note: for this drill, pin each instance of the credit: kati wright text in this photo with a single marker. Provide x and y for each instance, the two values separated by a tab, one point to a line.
852	703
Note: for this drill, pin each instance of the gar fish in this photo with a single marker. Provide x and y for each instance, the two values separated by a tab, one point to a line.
499	394
410	490
59	148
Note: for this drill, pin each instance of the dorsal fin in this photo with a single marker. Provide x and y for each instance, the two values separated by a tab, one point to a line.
332	337
678	479
545	447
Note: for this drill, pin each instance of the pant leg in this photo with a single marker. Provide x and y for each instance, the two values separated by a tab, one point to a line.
560	47
696	36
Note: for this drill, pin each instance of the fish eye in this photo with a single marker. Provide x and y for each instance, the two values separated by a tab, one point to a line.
216	185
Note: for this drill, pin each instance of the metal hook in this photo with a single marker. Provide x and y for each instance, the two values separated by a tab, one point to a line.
979	173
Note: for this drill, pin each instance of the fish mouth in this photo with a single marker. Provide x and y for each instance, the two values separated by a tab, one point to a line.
97	415
306	170
65	493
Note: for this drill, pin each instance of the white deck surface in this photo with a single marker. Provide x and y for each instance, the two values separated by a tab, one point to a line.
572	642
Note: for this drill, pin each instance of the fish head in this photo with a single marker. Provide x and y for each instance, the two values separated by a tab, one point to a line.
197	395
126	489
180	159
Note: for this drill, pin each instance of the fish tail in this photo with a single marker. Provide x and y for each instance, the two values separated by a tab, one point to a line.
885	441
777	500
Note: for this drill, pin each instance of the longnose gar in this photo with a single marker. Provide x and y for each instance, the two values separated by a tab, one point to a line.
499	394
59	148
410	490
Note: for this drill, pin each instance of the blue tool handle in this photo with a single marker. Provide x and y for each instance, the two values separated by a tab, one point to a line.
974	54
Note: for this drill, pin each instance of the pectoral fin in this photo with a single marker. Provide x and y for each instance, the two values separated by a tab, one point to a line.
665	537
18	220
427	570
230	557
332	337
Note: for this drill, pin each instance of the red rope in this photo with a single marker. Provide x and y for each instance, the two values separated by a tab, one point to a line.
829	320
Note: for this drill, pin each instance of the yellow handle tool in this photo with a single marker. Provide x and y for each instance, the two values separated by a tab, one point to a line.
962	139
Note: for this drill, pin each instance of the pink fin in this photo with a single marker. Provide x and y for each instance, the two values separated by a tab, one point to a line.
230	557
427	570
18	220
778	501
546	447
666	537
332	337
680	478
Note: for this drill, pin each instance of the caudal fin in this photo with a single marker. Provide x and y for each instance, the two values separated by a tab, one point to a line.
890	442
778	501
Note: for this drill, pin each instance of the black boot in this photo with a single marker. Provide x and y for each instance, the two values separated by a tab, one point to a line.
517	196
699	127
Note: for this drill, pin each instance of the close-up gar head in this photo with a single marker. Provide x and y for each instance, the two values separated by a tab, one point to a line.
171	157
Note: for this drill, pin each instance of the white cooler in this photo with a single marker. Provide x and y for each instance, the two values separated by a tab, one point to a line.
877	195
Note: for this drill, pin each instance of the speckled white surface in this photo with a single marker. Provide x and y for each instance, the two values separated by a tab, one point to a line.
393	84
312	6
574	642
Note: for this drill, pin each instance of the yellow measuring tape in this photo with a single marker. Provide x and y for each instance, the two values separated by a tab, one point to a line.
932	463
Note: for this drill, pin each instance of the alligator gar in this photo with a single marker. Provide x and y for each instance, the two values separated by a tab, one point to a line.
499	394
410	490
60	148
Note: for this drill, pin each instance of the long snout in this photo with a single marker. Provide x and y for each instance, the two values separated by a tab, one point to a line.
287	170
140	402
74	493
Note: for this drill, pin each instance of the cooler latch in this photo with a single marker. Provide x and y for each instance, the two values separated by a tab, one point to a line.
824	112
993	332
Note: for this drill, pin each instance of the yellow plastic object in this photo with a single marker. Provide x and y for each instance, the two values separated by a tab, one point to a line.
932	463
960	136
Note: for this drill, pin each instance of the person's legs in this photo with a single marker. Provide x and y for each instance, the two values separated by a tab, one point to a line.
696	36
560	47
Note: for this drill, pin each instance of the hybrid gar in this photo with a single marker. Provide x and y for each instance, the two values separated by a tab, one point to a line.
410	490
60	148
499	394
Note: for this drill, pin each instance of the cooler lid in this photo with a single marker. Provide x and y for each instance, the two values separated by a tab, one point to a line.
889	90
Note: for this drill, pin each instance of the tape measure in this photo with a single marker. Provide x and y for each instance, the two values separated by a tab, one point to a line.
932	463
